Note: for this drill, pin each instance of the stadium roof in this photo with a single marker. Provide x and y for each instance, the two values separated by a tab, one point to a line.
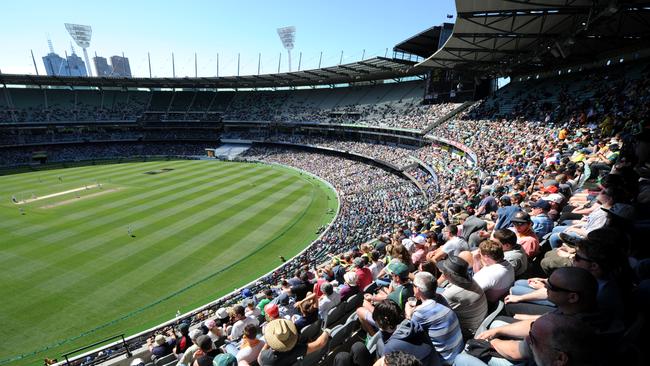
378	68
503	37
423	43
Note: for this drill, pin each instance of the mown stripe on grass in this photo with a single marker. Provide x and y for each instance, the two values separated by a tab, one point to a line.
89	236
179	182
60	285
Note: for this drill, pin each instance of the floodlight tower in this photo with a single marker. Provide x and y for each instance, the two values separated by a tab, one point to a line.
287	36
81	35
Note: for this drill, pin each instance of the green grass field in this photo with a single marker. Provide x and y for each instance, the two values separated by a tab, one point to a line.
71	275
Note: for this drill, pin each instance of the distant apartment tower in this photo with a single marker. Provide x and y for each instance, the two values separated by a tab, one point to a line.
76	66
102	67
121	66
54	64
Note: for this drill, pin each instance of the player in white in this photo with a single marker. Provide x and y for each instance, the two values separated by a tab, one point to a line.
130	230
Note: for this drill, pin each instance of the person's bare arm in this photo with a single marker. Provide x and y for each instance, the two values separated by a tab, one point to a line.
319	343
518	329
507	348
539	294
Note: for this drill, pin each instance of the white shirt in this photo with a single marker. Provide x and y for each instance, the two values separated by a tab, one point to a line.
238	328
495	280
455	245
328	302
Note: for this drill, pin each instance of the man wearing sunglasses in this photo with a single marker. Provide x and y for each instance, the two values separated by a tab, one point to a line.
572	289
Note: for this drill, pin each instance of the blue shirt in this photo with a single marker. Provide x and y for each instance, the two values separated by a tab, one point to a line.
505	215
443	327
542	225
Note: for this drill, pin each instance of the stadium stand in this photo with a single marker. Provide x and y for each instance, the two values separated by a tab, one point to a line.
565	154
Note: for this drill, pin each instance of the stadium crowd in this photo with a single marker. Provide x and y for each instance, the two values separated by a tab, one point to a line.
535	255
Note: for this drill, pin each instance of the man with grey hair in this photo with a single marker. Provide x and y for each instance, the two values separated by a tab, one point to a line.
439	321
329	299
556	339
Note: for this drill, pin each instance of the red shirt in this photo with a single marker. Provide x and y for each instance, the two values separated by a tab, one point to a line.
364	277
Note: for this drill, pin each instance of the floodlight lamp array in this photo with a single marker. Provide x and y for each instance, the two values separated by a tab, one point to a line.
287	36
80	33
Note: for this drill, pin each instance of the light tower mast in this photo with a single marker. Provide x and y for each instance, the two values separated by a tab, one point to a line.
81	35
287	36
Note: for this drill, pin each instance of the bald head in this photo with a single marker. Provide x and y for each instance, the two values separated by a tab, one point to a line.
562	340
573	286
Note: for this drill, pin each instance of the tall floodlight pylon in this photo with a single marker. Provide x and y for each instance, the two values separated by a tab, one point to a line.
287	36
81	35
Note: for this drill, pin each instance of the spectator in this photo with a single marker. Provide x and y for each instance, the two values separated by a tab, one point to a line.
463	295
542	224
512	251
453	244
439	321
251	346
282	347
329	300
496	274
526	237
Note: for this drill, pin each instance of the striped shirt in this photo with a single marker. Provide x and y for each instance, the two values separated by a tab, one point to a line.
444	330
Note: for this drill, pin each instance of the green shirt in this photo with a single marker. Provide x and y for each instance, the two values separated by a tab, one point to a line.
401	294
262	304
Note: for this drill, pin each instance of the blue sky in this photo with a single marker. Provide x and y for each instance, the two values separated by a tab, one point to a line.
209	27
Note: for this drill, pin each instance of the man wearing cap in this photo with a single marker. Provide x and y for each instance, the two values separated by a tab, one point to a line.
282	347
542	224
463	295
206	352
184	342
439	321
399	291
526	237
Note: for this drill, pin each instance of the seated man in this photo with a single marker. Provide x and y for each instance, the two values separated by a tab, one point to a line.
454	244
399	291
439	321
329	300
496	274
399	334
554	339
463	295
526	237
512	252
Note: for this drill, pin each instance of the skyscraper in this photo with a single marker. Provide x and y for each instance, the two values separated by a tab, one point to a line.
76	66
54	64
102	67
121	66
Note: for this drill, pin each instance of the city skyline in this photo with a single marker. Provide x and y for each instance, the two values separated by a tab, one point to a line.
205	28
